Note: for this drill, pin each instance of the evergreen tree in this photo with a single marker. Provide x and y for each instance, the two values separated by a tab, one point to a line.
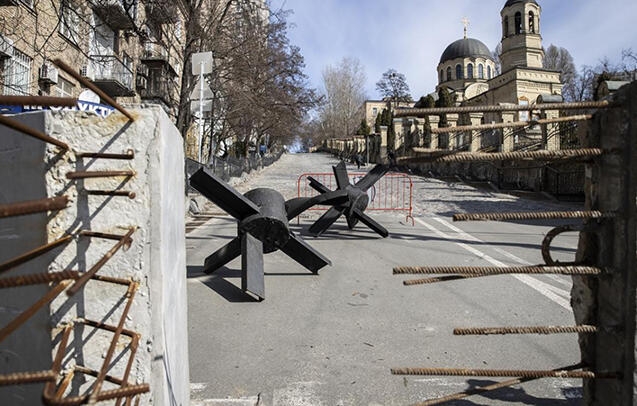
363	128
378	123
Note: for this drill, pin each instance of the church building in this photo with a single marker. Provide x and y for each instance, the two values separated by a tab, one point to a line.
468	70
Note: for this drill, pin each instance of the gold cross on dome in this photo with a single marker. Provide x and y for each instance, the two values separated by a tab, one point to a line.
465	22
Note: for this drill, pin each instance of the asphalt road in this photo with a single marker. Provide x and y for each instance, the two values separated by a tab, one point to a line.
332	338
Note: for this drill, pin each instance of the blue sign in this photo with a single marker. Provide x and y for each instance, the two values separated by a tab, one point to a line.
101	110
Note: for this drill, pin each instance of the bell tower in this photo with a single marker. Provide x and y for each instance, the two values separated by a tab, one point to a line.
521	39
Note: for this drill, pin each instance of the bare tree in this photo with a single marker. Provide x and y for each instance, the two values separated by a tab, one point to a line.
393	86
344	95
496	58
260	94
559	59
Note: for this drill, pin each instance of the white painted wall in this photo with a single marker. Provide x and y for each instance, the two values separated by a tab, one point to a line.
156	259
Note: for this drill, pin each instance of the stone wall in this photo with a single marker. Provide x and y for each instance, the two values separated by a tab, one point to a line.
611	244
155	259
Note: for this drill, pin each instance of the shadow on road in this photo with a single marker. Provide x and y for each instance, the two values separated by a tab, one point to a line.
517	395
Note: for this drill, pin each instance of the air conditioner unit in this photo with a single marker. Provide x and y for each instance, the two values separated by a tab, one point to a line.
142	70
6	47
48	74
141	82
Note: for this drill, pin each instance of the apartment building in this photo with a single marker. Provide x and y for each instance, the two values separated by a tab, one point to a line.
130	49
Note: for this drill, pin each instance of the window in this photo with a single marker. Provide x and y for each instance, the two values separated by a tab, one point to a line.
459	71
375	112
518	22
470	71
69	23
531	22
442	75
64	88
449	73
17	74
505	29
488	72
480	71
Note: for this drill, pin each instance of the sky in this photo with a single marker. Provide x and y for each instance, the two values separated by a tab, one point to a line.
411	35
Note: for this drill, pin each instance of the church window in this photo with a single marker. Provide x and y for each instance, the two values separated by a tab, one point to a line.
442	75
506	26
458	71
480	71
470	71
531	22
449	73
518	22
488	72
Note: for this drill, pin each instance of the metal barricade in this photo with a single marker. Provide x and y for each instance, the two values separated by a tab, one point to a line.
393	192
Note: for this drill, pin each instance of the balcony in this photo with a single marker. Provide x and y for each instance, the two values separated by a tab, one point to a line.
159	87
157	54
111	75
118	14
162	11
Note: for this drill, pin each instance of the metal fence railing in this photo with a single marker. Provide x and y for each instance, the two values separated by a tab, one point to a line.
226	168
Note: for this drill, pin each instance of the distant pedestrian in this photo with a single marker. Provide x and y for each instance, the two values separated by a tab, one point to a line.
392	158
359	160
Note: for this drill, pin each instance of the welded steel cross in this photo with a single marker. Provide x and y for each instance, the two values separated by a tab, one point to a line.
357	200
263	227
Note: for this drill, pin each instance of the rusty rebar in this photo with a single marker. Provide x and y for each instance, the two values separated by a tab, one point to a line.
25	129
498	108
112	279
114	193
524	330
37	279
130	154
20	378
107	327
108	236
99	174
544	155
81	281
503	373
130	293
34	206
110	394
86	83
12	263
548	239
546	215
25	315
38	101
88	371
57	362
511	124
493	270
487	388
436	279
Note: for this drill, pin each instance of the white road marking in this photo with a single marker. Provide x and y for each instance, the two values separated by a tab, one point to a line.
543	288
